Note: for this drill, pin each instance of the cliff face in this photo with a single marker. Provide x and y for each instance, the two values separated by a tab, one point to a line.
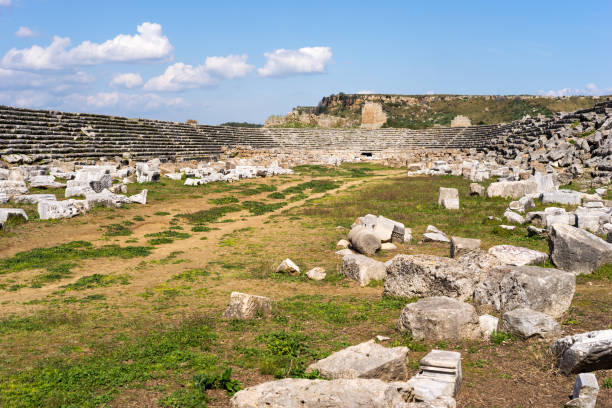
425	111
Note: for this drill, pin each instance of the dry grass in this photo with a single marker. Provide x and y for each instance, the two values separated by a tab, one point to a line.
183	287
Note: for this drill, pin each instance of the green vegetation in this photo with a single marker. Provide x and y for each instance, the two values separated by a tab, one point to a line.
211	215
432	110
315	186
242	124
97	280
500	337
191	275
56	259
259	208
607	383
224	200
94	380
222	381
115	230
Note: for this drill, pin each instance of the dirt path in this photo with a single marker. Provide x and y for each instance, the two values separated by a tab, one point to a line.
196	252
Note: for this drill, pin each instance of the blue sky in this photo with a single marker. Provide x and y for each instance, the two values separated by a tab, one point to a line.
245	60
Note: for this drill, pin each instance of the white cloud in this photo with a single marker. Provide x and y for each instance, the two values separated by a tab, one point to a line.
147	101
181	76
589	90
128	80
364	92
230	67
27	98
25	32
148	44
307	60
14	79
5	2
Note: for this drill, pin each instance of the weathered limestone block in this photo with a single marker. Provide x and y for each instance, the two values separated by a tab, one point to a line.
439	375
432	234
34	198
10	187
512	189
567	197
513	217
287	265
48	210
477	189
147	172
448	198
6	213
243	306
364	240
440	318
576	250
429	275
518	256
584	352
527	323
461	246
362	269
341	393
544	290
488	324
585	392
316	273
365	360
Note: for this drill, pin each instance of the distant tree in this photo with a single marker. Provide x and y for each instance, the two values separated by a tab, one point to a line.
242	124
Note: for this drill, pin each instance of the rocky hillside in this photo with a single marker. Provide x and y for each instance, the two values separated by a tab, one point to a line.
425	111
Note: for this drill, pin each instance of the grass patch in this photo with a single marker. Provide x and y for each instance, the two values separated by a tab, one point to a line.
277	195
223	200
161	213
604	272
94	380
116	230
98	281
57	259
259	208
210	215
191	275
315	186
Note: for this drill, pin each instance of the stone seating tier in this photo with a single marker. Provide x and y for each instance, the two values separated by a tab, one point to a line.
65	135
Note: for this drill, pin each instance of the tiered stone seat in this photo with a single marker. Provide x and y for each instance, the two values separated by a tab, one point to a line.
63	135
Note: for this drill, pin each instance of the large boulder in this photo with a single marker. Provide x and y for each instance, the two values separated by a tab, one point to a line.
518	256
364	240
440	318
527	323
365	360
545	290
584	352
576	250
428	275
342	393
433	234
45	182
243	306
362	269
147	172
287	265
512	189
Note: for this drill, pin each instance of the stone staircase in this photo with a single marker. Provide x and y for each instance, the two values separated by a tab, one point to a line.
63	135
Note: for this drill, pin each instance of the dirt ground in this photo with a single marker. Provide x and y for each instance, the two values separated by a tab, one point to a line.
239	253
